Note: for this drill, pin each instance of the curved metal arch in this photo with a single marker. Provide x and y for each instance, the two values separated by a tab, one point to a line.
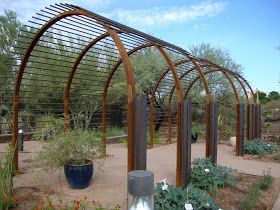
157	84
235	75
72	73
251	90
226	75
179	113
238	138
208	99
178	87
169	104
105	90
29	49
197	78
152	101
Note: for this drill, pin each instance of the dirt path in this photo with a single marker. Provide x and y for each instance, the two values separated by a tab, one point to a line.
110	179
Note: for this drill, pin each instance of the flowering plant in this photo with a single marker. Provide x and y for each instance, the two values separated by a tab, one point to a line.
209	176
178	198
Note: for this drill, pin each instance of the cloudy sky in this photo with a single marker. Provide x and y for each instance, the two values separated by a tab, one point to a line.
249	29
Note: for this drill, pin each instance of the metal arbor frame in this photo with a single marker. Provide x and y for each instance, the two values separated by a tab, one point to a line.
89	35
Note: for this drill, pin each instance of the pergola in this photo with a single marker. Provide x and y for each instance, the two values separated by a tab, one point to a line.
92	51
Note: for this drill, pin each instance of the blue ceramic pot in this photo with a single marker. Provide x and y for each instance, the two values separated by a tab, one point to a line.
78	176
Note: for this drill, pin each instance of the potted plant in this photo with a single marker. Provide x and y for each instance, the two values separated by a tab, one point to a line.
196	131
75	150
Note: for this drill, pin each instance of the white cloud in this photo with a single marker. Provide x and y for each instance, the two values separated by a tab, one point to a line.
157	16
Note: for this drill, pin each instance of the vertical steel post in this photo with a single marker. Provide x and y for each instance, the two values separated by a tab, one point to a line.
240	119
186	139
213	119
141	133
250	121
257	131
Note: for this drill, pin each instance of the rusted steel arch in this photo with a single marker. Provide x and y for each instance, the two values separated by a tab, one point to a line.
105	90
250	88
178	87
234	74
153	98
208	72
22	66
226	75
179	113
238	137
169	103
39	33
72	73
172	91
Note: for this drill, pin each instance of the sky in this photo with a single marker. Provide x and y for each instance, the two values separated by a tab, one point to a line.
248	29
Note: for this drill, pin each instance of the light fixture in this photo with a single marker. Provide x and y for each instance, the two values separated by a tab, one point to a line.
140	190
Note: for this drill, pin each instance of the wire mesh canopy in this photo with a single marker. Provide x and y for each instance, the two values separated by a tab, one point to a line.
84	67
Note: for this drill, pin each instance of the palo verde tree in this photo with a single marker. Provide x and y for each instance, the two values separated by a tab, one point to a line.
219	86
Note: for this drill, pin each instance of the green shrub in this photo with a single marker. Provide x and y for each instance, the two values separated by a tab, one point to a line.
259	147
157	138
175	198
209	176
114	131
6	179
266	180
250	199
196	129
47	126
75	147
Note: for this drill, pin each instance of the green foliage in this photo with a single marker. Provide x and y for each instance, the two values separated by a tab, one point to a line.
47	126
209	176
74	147
253	193
250	199
266	181
114	131
259	147
265	98
6	179
175	198
196	129
9	28
157	138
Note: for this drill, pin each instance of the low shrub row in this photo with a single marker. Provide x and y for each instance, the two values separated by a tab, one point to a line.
206	178
259	147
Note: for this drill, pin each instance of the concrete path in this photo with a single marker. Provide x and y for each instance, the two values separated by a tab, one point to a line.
110	176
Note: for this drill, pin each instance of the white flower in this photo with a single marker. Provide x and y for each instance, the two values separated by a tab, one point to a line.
207	204
268	145
206	170
188	206
163	181
164	187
